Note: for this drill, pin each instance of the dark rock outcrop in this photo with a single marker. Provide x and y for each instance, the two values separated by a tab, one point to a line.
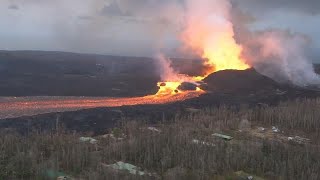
187	86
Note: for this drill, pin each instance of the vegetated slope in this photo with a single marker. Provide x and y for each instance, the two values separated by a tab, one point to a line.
183	149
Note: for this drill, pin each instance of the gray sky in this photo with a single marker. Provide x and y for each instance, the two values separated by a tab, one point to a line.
131	27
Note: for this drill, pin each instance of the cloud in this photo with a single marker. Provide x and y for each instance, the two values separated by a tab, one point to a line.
13	7
127	27
85	17
264	6
112	9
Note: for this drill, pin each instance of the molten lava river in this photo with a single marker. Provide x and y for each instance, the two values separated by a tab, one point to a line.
27	106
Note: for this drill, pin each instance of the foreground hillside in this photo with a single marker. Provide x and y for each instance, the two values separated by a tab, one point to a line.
280	142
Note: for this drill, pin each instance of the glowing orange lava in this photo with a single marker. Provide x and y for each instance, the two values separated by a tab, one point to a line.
209	33
27	106
168	88
226	56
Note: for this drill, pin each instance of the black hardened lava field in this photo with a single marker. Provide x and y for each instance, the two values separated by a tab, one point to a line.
39	75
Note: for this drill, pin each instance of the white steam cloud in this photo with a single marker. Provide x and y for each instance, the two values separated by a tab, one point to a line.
280	55
166	71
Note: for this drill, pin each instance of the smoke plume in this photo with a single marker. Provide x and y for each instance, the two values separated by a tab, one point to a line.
210	31
166	71
209	28
280	55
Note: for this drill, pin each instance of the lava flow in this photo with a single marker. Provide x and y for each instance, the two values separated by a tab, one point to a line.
27	106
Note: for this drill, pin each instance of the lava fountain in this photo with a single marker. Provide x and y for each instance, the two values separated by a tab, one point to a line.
209	32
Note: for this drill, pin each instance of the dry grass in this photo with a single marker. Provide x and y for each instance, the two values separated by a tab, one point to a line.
172	153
